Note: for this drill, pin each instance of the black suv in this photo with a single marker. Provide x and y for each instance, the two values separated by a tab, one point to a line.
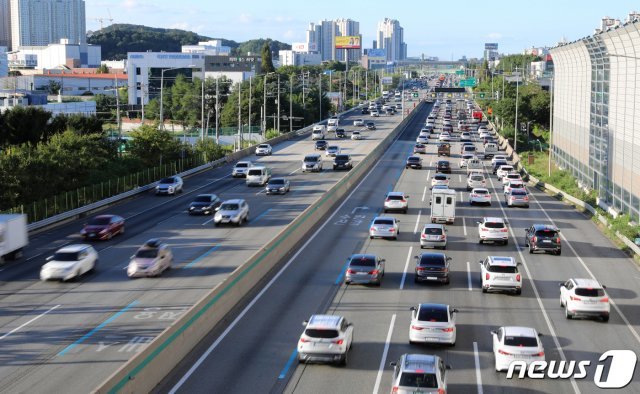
543	237
342	162
321	145
341	133
365	111
432	267
443	167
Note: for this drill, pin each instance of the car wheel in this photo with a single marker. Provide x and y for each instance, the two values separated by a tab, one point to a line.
122	230
567	314
506	242
561	303
371	237
519	291
530	250
558	252
447	281
484	291
109	235
345	359
480	241
453	344
605	318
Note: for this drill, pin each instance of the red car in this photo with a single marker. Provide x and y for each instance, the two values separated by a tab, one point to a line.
103	227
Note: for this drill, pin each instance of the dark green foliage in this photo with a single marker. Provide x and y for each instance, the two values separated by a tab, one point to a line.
267	61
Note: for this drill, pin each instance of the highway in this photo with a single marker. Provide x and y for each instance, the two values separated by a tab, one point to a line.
68	337
256	350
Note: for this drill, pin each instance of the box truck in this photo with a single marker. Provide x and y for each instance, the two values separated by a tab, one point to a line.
13	236
443	206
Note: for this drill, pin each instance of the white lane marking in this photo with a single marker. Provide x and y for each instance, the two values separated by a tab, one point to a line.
383	361
260	192
461	197
29	322
469	276
584	265
235	322
464	225
415	230
424	193
460	179
40	254
552	331
209	221
429	177
406	268
478	370
293	172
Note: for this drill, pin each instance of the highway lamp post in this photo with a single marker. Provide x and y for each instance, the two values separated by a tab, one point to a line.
291	103
550	124
202	113
515	135
320	96
239	115
278	104
250	99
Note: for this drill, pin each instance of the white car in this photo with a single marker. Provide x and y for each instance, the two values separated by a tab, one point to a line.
241	168
264	150
476	180
440	180
492	229
170	185
396	201
151	259
70	262
584	298
479	195
332	150
504	170
232	212
512	176
358	122
465	158
374	113
326	338
384	227
444	137
514	184
356	135
516	344
422	139
433	323
496	158
499	273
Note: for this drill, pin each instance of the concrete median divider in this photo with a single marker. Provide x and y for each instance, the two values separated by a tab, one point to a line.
147	368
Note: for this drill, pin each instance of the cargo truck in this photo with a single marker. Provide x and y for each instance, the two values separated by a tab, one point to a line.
13	236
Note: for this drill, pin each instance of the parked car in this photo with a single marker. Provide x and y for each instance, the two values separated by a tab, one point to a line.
204	204
500	273
103	227
433	323
364	269
433	235
516	344
584	298
151	259
544	237
169	185
417	373
432	267
278	186
326	338
69	262
264	150
234	211
384	227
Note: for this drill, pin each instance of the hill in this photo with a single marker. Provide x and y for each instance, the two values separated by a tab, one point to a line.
118	39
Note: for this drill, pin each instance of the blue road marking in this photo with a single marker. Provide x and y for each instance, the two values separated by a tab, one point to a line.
344	269
100	327
283	374
208	252
262	214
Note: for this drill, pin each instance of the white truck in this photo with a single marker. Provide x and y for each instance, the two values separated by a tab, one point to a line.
333	123
443	206
13	236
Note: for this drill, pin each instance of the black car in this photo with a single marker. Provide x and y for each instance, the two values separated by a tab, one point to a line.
497	164
543	237
341	133
365	111
443	167
371	126
204	204
342	162
321	145
413	162
432	267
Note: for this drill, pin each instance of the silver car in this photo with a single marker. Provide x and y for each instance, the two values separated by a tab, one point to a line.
232	212
517	198
433	236
241	168
151	259
278	186
264	150
364	269
170	185
332	150
419	373
384	227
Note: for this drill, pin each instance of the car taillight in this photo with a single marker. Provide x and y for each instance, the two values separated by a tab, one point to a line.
504	230
443	237
474	195
575	298
392	229
558	240
424	236
417	328
374	272
387	200
448	329
442	391
526	198
487	276
373	229
484	229
394	389
541	354
420	269
500	351
350	271
304	340
518	278
404	200
604	299
534	239
445	270
339	342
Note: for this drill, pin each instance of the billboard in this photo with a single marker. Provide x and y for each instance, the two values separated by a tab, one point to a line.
381	53
304	47
491	46
347	42
387	80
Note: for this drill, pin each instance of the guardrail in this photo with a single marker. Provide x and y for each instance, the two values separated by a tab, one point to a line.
143	372
122	196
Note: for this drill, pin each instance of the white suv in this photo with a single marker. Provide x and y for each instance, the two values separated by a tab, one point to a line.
493	230
241	168
396	201
232	212
433	323
500	273
419	373
516	344
325	338
504	170
584	297
476	180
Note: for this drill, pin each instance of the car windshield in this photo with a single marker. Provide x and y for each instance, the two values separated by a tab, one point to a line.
147	253
263	146
521	341
65	256
311	159
503	269
332	148
494	225
589	292
388	222
242	165
321	333
99	221
229	207
167	180
427	259
546	233
432	231
419	379
363	262
202	199
342	157
278	181
433	314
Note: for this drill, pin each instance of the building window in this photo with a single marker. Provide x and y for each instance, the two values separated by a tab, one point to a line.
138	71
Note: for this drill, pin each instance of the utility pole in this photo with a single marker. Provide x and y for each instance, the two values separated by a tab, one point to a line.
366	83
550	123
142	101
264	104
250	99
291	103
118	111
320	96
202	113
217	111
515	135
239	115
278	115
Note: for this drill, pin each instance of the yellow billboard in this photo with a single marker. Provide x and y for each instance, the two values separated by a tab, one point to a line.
348	42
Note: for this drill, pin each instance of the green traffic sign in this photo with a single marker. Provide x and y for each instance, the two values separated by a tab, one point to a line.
482	95
415	95
460	72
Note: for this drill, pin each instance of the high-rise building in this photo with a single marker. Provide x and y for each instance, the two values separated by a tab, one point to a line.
44	22
5	24
390	36
323	34
491	51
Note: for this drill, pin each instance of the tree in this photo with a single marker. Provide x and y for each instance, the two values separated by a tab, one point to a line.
103	69
105	107
54	87
184	104
28	125
267	61
154	147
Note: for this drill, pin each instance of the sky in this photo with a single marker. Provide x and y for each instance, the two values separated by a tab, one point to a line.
446	29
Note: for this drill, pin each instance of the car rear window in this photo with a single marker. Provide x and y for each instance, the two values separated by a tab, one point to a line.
503	269
432	231
477	178
521	341
547	233
255	172
432	260
413	158
481	192
387	222
321	333
395	197
433	314
66	256
419	379
469	148
342	157
363	262
441	177
589	292
517	192
494	225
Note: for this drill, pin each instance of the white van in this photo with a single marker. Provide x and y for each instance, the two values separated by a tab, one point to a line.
490	150
318	132
333	123
474	164
443	206
258	176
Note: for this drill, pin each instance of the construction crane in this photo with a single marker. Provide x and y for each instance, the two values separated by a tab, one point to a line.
101	20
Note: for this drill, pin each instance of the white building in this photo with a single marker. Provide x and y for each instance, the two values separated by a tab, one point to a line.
294	58
4	62
42	22
57	55
390	36
5	24
71	84
211	48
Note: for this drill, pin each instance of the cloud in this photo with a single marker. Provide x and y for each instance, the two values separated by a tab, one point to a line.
494	36
245	18
289	34
130	4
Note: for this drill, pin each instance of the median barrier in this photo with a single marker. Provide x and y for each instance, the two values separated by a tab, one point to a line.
147	368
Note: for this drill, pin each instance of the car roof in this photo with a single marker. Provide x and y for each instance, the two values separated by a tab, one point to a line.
384	217
324	321
206	195
234	201
312	155
395	194
105	216
244	161
479	188
492	219
589	283
502	260
520	331
419	362
73	248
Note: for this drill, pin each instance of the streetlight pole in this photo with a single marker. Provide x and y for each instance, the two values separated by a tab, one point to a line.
291	103
550	124
320	96
217	112
515	136
278	103
202	113
240	115
264	105
250	99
